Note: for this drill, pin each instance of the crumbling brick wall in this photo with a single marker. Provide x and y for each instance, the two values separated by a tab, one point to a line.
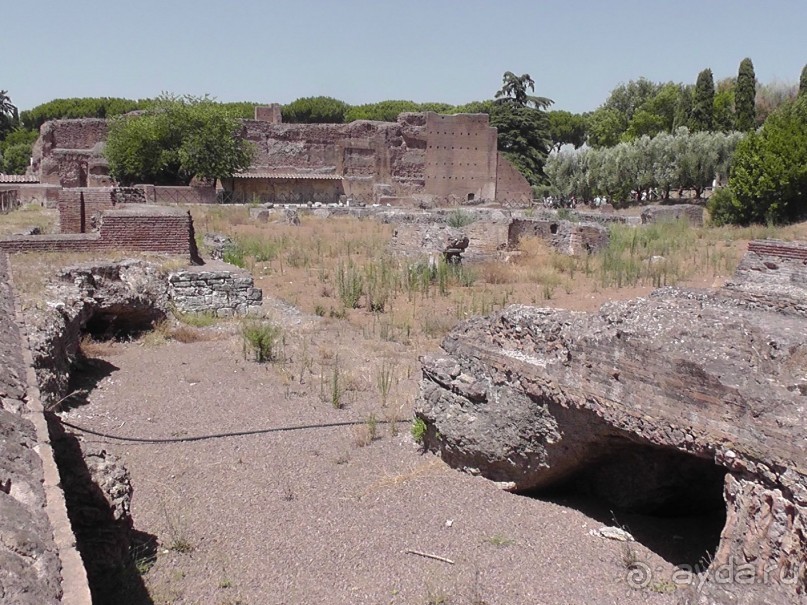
80	208
452	158
68	152
773	264
132	229
511	186
448	157
564	236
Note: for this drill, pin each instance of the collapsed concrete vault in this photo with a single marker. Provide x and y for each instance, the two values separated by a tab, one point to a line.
686	397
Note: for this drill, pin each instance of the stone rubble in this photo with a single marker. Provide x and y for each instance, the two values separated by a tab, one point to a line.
710	386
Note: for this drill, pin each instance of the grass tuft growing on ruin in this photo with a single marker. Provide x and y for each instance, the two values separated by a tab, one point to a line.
196	320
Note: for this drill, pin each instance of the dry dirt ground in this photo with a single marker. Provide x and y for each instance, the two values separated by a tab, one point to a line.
320	515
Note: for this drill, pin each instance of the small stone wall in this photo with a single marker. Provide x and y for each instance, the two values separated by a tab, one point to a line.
674	212
223	292
564	236
773	274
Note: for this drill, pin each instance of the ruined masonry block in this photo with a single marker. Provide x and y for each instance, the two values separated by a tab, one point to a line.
224	293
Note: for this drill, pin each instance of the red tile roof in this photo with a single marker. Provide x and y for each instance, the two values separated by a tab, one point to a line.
310	176
18	178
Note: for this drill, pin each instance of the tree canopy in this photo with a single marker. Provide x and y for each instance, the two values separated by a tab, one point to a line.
175	140
768	178
566	128
8	114
83	107
523	125
667	161
315	110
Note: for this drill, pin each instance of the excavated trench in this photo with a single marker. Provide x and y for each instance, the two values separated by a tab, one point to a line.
96	484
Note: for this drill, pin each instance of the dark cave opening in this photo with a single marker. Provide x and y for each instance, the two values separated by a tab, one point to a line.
122	323
670	501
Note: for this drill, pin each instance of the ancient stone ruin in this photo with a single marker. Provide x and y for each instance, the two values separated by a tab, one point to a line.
657	404
38	562
422	158
218	290
691	213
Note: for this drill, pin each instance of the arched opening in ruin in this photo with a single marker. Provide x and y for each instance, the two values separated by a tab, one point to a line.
553	228
670	501
470	197
122	322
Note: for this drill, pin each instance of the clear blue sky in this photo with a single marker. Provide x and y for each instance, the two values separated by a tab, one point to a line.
369	50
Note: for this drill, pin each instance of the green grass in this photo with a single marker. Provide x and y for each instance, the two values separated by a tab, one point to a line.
418	430
196	320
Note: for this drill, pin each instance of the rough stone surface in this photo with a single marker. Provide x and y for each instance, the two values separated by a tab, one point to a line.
225	292
98	492
689	212
565	236
216	244
29	563
711	380
124	296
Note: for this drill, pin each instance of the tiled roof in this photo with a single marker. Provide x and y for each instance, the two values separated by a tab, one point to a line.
18	178
309	176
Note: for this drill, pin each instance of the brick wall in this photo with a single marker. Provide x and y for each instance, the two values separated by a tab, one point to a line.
773	263
80	208
136	229
511	186
460	156
169	233
179	195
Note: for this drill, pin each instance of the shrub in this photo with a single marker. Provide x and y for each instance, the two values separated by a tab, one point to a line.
768	179
459	218
418	430
722	209
350	284
261	338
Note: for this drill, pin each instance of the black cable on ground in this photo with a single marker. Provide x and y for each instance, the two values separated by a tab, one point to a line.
158	440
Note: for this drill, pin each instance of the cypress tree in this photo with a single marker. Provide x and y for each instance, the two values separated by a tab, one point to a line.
703	106
683	109
803	82
744	97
